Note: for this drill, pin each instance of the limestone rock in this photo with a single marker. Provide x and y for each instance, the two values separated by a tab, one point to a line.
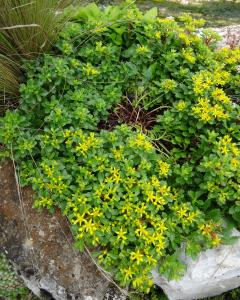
40	246
230	36
214	272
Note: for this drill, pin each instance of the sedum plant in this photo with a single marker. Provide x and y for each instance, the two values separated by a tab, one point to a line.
129	127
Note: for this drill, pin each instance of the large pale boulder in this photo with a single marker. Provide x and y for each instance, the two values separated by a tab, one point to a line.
214	272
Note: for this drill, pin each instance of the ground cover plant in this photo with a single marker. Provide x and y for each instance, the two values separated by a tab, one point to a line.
130	127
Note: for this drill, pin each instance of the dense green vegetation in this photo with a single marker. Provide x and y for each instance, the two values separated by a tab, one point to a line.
133	133
138	169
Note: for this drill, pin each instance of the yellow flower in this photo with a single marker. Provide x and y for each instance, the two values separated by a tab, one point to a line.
158	34
138	282
168	84
116	178
155	182
121	234
96	212
181	105
131	170
142	49
151	261
182	212
188	55
161	226
128	273
217	112
159	245
219	95
136	256
129	181
141	209
191	217
150	196
141	231
164	190
80	218
67	133
127	208
185	38
216	241
89	226
159	201
148	146
206	229
90	70
164	168
117	153
220	77
114	171
235	162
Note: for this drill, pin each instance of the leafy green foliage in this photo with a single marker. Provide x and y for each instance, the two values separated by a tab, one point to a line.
135	193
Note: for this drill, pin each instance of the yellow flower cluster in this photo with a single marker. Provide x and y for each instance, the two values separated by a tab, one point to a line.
99	27
52	181
163	168
181	105
204	80
185	38
168	84
141	142
87	142
219	95
90	70
165	20
185	214
142	49
43	202
100	48
158	34
229	56
227	146
207	112
189	55
208	230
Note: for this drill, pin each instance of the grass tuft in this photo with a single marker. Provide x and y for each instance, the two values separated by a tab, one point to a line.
27	29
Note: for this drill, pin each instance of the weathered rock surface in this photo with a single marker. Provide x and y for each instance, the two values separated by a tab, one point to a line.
214	272
230	36
40	246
